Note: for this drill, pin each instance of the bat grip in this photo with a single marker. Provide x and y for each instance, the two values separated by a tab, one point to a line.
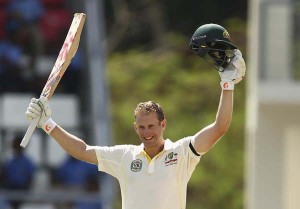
29	132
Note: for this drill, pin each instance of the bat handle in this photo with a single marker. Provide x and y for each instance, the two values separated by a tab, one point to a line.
29	132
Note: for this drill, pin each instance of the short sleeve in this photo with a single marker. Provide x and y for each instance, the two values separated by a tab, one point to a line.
190	157
110	158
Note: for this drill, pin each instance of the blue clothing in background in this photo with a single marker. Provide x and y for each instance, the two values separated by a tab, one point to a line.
87	205
74	172
28	10
18	172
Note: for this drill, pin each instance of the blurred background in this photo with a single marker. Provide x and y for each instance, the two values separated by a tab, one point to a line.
133	51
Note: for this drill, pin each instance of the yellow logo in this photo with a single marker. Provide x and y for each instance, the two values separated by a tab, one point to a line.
226	34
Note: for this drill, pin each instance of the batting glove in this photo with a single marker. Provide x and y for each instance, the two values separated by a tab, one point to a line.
39	108
234	72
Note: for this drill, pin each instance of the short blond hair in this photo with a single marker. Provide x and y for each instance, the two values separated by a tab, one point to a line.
150	106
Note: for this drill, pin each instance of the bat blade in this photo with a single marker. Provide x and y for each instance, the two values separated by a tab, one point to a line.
65	55
62	62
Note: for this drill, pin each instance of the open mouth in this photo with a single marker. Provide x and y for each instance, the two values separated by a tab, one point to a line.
148	138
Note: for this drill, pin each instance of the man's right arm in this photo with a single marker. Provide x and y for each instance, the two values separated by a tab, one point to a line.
74	146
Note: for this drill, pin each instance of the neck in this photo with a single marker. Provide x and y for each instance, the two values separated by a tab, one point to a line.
153	151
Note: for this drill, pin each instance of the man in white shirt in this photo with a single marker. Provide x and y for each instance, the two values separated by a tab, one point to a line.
153	175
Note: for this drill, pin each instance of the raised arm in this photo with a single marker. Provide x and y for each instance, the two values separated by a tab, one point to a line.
74	145
208	136
71	144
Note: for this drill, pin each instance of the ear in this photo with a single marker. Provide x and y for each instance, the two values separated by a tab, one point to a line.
134	125
164	124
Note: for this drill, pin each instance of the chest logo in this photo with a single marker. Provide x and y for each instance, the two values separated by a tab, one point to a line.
171	159
136	165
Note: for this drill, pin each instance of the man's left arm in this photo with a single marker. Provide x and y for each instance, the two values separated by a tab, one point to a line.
231	75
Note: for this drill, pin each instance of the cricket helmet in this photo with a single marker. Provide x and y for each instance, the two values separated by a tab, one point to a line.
213	40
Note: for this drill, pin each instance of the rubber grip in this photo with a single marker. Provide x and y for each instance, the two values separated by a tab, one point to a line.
29	132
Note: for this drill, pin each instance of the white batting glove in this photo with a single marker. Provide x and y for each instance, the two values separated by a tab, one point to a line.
39	108
234	72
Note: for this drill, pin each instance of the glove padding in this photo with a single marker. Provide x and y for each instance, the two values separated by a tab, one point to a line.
234	72
38	108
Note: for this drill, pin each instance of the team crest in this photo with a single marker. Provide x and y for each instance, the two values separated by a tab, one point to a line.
226	34
136	165
171	159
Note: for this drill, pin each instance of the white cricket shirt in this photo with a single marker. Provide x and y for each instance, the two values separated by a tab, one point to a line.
158	183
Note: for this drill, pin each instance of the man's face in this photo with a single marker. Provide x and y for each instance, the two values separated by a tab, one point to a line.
150	129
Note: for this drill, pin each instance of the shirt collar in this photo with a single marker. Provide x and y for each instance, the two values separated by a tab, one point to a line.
167	146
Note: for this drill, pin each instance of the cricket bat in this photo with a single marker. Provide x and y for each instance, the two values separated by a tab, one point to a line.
62	62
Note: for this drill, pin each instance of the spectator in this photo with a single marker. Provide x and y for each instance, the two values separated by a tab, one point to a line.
11	68
18	171
24	16
27	11
4	204
74	174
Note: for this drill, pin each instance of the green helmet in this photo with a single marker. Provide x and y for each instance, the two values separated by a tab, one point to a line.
213	40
